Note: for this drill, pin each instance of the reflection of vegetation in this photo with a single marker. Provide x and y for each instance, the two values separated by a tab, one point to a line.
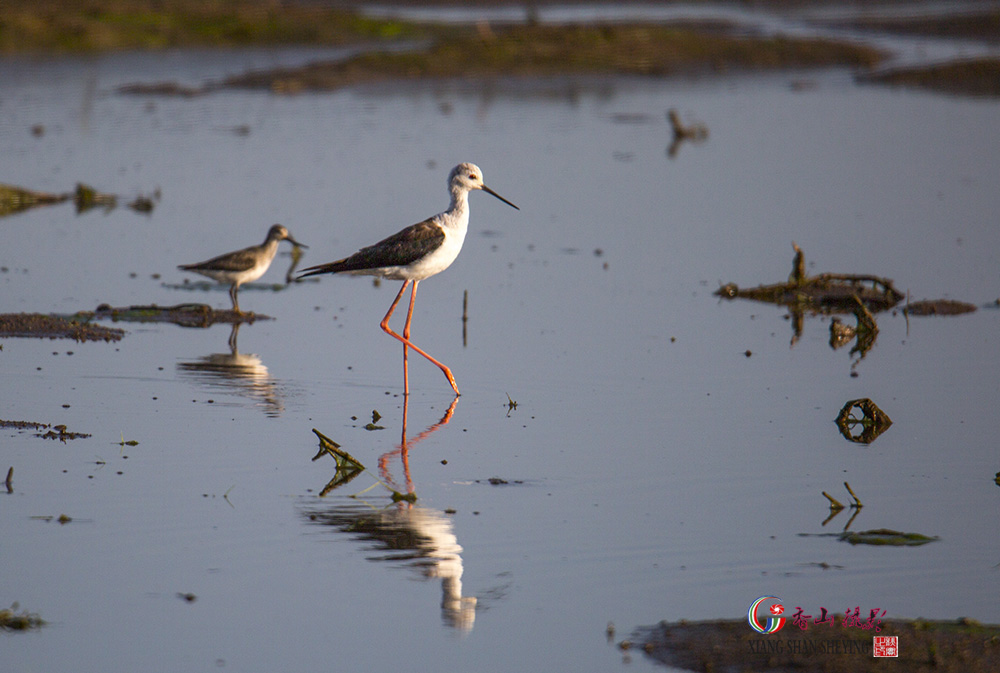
185	315
873	421
938	307
886	537
979	77
16	199
695	132
86	197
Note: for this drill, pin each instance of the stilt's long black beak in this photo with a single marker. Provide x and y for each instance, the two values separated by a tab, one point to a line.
490	191
296	243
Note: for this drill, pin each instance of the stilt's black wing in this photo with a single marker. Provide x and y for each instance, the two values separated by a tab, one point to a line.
400	249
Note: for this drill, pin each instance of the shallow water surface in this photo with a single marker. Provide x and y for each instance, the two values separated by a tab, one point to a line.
667	448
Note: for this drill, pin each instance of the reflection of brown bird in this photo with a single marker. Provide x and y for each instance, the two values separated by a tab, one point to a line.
243	374
243	266
418	252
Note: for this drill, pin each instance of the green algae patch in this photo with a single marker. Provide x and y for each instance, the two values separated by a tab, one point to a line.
102	25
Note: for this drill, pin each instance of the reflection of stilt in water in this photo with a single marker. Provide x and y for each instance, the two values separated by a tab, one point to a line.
417	535
240	373
403	450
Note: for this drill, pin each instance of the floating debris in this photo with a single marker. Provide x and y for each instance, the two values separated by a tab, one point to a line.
17	199
348	467
823	293
86	197
10	620
36	325
375	419
873	421
62	434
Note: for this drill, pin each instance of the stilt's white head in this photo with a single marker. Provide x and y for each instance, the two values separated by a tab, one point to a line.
466	177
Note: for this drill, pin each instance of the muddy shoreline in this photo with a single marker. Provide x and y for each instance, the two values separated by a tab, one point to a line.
485	50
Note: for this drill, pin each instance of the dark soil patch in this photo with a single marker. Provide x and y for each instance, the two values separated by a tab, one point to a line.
53	327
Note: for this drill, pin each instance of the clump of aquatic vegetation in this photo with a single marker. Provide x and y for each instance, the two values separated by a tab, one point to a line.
12	620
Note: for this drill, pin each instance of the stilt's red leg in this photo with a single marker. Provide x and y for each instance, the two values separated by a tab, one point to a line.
405	338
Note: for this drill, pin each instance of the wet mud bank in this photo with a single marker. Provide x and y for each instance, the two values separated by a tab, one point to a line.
923	645
54	327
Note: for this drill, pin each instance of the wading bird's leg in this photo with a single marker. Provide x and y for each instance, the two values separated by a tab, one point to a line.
406	330
236	302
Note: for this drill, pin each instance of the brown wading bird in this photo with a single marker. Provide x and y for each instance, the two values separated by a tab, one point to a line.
416	253
243	266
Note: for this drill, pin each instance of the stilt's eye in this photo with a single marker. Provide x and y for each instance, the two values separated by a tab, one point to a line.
472	176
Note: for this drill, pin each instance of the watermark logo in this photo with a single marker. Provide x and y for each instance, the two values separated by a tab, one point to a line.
774	623
885	646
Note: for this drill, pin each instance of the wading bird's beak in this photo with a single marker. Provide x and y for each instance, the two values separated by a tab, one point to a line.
490	191
296	243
